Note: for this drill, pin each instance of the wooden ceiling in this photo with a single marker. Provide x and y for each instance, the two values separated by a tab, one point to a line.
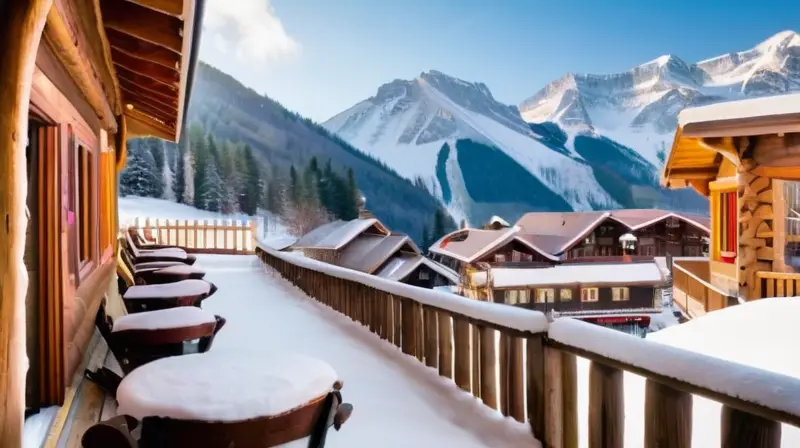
149	42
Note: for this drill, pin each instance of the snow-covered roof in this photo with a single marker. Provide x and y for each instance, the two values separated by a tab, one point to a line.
366	252
590	274
498	220
280	242
402	265
468	245
335	235
737	110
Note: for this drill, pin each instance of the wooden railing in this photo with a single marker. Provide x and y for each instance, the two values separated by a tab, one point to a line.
776	284
531	373
217	236
692	290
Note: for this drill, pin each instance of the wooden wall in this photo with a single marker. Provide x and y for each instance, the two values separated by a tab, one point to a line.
639	297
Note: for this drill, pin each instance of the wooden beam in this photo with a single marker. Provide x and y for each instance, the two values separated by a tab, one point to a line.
147	83
154	112
145	68
693	173
21	25
57	34
140	49
140	125
130	95
144	23
170	100
171	7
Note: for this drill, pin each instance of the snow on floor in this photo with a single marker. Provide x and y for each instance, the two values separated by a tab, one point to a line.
398	401
37	426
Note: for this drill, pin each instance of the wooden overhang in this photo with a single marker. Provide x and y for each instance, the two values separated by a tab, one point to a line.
152	45
133	60
707	135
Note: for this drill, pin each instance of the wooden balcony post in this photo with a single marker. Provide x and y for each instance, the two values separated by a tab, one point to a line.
21	25
743	430
463	356
445	345
488	368
606	407
667	417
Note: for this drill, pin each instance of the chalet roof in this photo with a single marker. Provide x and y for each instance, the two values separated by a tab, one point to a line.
402	265
279	242
476	242
153	52
589	274
337	234
556	232
756	116
367	252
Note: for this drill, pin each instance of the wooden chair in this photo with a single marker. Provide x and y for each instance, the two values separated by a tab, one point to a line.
137	339
139	298
157	272
151	255
143	243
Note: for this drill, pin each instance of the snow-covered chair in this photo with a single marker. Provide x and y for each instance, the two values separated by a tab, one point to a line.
225	399
137	339
138	298
150	255
158	272
145	242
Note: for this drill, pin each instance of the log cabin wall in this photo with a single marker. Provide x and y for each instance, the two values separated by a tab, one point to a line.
756	221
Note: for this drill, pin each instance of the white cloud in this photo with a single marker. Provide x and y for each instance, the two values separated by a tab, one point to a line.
250	31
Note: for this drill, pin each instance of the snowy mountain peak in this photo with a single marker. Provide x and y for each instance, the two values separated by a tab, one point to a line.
639	107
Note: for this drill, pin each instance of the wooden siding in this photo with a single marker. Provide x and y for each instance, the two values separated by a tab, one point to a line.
639	297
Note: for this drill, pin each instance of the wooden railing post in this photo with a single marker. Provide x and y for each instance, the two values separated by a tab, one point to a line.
516	384
488	371
535	360
445	346
740	429
668	417
431	338
606	407
462	358
409	342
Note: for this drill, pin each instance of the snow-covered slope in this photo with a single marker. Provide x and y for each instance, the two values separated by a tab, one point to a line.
639	108
408	124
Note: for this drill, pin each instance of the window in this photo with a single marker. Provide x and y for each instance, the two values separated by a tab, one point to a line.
589	239
84	213
589	295
516	255
565	294
727	232
649	251
499	258
545	295
620	294
791	193
524	296
692	251
512	297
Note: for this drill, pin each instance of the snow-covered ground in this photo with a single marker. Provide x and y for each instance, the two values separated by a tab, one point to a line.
132	207
398	401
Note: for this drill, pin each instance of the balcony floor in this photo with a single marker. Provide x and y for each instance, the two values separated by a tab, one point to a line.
398	401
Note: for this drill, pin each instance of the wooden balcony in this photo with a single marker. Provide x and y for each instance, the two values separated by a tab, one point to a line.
776	284
692	290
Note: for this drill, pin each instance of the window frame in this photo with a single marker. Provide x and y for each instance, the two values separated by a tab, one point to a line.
545	295
617	297
725	228
84	178
587	296
561	296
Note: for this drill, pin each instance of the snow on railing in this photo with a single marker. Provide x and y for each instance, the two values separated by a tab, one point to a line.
213	236
531	375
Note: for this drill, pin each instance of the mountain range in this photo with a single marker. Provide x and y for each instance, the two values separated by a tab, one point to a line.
583	142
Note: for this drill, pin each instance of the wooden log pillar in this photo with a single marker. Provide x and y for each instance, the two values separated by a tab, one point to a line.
743	430
756	229
21	25
488	370
606	407
462	358
667	417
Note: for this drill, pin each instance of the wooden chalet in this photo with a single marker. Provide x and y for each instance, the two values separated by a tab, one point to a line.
77	79
574	286
366	245
745	157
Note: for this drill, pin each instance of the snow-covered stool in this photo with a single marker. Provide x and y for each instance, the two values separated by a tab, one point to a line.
137	339
190	292
225	399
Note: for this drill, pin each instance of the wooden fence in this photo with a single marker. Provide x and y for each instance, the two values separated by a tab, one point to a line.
776	284
531	375
217	236
694	293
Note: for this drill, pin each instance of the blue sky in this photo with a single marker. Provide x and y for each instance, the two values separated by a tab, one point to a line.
319	57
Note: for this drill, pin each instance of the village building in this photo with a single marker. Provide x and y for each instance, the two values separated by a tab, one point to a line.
745	157
366	245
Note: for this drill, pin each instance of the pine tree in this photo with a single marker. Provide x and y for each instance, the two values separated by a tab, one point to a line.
438	224
140	178
274	197
213	193
426	239
351	196
179	177
251	185
294	186
200	156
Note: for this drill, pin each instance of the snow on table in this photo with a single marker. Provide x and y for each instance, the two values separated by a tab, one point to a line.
398	401
182	316
224	385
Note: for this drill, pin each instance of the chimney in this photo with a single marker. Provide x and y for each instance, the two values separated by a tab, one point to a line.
363	213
